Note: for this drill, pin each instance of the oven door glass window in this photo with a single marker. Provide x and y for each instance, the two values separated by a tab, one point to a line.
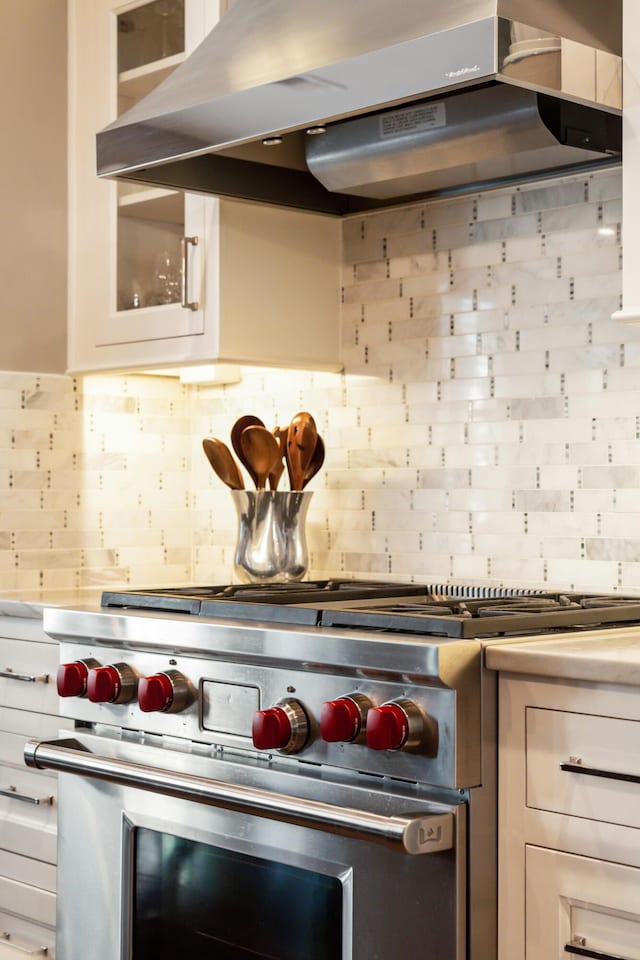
200	901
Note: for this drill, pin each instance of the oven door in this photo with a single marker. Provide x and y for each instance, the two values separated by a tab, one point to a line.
164	853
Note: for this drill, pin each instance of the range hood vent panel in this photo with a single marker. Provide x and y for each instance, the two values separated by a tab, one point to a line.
275	68
472	137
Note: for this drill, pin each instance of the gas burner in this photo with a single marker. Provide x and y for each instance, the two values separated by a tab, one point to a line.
528	606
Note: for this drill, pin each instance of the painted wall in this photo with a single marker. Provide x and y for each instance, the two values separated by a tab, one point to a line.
33	173
486	427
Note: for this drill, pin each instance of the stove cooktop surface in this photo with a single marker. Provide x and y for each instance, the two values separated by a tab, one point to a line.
461	612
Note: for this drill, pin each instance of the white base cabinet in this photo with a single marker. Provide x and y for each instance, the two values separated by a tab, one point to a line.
569	802
28	807
581	904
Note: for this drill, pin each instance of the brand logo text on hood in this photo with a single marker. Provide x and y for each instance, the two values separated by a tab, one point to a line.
463	71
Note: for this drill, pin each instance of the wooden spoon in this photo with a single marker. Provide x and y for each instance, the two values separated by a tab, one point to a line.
236	432
317	459
261	450
280	433
221	459
301	442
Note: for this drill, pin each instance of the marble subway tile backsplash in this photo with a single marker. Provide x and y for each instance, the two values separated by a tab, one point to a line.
94	481
486	426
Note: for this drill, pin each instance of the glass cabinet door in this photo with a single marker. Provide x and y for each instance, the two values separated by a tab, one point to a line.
150	222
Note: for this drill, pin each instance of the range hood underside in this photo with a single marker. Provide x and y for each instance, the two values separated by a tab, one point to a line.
496	134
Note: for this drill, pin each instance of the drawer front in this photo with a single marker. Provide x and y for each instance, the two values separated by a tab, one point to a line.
18	726
21	938
35	873
19	791
20	661
29	902
28	839
605	744
573	900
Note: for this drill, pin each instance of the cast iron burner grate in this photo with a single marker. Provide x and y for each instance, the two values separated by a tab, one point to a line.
429	610
473	619
248	599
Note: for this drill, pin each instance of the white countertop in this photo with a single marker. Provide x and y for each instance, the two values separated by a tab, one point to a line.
605	656
31	603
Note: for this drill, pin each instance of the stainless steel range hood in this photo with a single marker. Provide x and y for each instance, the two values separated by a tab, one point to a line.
343	106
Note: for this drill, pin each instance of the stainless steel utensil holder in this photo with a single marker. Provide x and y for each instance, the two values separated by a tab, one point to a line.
272	545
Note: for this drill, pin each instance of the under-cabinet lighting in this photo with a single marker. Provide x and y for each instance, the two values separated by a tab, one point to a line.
207	374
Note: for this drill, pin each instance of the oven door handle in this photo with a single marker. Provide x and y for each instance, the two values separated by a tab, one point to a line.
415	834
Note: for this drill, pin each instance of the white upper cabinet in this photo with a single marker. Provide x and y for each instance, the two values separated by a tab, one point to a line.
163	278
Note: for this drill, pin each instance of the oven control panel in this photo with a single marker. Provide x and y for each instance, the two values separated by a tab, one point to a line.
387	726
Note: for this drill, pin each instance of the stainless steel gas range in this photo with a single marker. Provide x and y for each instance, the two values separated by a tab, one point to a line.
302	771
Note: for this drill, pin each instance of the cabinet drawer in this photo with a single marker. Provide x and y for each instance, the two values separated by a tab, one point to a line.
577	900
23	900
35	873
29	839
590	743
21	789
23	660
18	936
18	726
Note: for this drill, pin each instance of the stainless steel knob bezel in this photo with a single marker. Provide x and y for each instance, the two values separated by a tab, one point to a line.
422	729
128	683
299	723
182	694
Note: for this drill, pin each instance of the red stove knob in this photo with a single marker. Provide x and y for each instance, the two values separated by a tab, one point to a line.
271	729
71	678
387	727
283	727
343	720
401	725
166	692
115	683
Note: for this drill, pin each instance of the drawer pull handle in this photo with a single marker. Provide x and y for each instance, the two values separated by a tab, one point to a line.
579	949
9	674
185	243
12	792
22	947
575	767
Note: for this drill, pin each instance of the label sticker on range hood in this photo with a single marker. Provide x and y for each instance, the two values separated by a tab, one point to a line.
425	116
